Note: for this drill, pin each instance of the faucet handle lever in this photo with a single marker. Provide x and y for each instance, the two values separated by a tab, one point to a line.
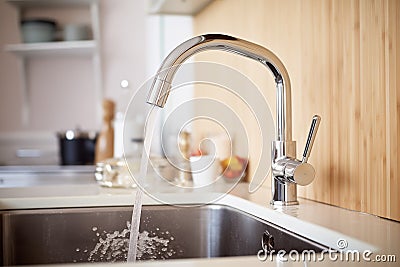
311	137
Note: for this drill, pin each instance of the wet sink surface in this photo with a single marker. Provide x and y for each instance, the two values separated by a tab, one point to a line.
45	236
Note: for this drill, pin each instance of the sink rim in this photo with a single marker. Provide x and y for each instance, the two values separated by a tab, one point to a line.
150	207
75	211
282	218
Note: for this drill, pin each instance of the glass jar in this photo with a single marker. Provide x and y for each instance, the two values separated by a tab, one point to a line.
121	172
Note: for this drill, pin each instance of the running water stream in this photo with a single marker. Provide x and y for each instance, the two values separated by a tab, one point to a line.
134	236
137	208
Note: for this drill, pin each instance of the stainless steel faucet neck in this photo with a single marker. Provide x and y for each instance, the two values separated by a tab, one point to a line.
162	83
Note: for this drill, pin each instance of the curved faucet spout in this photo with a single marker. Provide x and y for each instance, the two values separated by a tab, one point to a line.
162	82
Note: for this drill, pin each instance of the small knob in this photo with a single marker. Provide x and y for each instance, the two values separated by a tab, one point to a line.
301	173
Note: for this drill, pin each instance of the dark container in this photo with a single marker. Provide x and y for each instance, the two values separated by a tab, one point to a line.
77	147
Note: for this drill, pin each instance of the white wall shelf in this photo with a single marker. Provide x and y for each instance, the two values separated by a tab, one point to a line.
47	3
71	48
84	48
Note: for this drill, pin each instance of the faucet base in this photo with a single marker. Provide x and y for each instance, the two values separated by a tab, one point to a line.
283	193
284	203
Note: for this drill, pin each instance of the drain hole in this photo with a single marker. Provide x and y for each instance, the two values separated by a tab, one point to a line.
267	242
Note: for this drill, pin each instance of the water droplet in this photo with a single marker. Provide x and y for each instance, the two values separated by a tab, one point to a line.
77	250
94	229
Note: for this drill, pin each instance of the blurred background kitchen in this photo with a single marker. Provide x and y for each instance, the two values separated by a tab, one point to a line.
342	58
100	50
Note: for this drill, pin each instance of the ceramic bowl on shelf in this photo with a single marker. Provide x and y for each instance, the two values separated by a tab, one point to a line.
76	32
38	30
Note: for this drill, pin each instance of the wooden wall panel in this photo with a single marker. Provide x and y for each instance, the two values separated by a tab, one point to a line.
392	63
343	59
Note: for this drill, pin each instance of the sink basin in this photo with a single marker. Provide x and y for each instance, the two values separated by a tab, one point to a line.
98	234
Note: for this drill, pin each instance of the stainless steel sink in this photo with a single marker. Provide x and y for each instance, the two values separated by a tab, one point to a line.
95	234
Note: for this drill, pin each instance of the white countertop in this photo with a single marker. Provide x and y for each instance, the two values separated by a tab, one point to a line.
319	222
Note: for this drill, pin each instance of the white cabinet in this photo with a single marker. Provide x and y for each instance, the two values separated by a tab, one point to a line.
82	48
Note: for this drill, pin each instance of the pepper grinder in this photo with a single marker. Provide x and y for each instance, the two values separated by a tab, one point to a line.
105	140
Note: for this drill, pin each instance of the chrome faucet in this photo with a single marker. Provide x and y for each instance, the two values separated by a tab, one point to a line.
287	171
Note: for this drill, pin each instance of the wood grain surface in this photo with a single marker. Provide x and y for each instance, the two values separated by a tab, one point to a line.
343	58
